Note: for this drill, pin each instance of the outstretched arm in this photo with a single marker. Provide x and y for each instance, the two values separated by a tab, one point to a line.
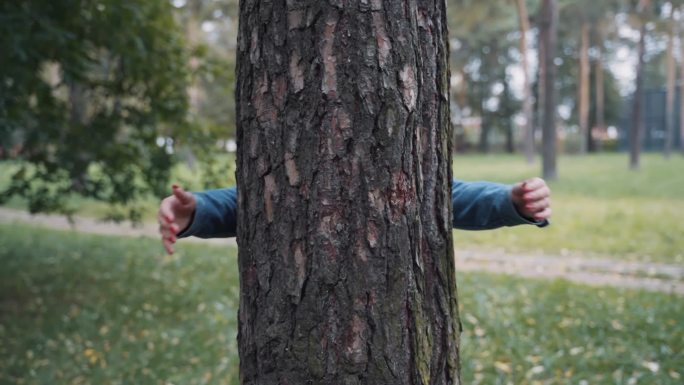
476	206
487	205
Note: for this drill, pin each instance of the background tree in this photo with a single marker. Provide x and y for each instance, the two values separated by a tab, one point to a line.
548	36
87	105
636	133
345	255
528	104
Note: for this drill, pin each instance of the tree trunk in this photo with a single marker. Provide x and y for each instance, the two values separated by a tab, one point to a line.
681	87
507	115
541	85
635	135
583	94
528	142
671	80
600	99
549	36
344	218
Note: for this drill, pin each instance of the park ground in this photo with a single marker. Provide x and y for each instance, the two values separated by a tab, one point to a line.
81	308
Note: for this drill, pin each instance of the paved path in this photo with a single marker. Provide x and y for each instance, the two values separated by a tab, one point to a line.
658	277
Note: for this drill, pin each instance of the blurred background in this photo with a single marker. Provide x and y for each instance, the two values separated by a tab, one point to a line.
104	104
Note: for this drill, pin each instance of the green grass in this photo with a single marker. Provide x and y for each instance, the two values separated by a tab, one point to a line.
81	309
599	207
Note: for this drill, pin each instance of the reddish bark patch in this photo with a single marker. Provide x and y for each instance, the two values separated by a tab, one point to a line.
296	72
329	85
269	191
383	41
409	87
355	341
291	169
279	91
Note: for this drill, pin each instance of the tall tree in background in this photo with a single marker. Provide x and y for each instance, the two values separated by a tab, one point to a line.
599	89
528	142
86	89
583	90
346	261
681	81
671	80
548	38
636	133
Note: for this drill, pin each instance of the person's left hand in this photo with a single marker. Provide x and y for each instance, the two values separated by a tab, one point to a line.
532	199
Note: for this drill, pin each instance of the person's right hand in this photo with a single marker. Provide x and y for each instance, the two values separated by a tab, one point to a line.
175	214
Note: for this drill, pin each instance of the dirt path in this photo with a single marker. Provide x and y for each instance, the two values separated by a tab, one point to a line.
667	278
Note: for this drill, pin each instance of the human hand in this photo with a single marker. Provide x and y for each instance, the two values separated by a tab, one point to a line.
532	199
175	214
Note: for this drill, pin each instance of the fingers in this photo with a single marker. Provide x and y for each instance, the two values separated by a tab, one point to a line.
533	184
545	214
167	229
540	205
168	245
518	189
537	194
166	212
183	196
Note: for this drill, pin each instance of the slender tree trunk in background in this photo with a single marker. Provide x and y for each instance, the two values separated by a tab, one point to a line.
583	94
507	116
600	100
541	84
461	100
486	71
635	135
344	173
671	80
549	36
528	141
681	87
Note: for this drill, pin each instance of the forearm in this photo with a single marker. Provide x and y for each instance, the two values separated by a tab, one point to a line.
484	206
215	215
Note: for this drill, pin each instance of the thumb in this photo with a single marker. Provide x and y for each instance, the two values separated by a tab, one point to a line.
518	189
183	196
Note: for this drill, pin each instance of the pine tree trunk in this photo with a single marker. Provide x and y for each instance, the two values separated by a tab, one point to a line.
636	133
346	260
584	79
671	80
541	86
527	89
549	36
681	87
600	100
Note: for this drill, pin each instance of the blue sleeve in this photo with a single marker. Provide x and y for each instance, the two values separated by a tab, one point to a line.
484	206
476	206
215	215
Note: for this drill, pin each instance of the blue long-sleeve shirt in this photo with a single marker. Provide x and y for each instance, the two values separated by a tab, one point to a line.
477	206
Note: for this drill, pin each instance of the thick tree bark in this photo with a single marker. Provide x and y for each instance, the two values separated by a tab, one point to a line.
636	133
528	142
671	87
549	37
583	93
346	261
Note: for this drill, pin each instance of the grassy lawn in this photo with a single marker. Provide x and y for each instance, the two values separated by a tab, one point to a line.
77	309
599	206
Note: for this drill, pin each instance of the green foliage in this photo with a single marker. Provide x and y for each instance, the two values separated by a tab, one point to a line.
110	310
86	88
598	207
